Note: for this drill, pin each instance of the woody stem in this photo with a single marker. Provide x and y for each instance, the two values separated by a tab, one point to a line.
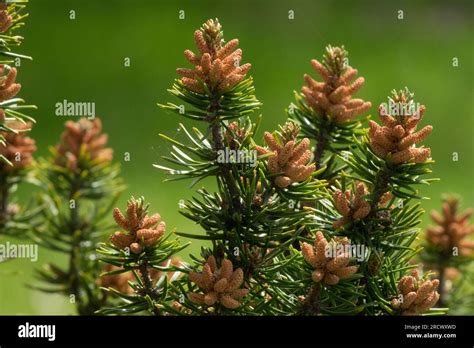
148	283
320	147
441	278
218	145
382	180
321	140
312	301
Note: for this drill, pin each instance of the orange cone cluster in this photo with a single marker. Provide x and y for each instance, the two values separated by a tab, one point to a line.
18	148
352	206
398	136
328	269
5	18
142	230
418	295
290	160
217	65
82	138
220	285
452	227
8	87
333	96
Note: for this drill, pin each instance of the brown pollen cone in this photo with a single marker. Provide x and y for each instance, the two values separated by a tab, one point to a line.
418	295
142	230
8	87
351	205
217	65
398	136
329	268
333	96
452	228
19	148
289	159
5	18
79	138
219	285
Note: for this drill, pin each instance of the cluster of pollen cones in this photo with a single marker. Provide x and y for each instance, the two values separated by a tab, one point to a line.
18	148
452	228
6	19
142	230
333	96
290	161
82	138
417	296
329	268
219	285
217	65
354	205
398	136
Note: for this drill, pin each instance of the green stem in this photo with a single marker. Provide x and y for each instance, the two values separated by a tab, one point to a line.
442	279
4	195
73	272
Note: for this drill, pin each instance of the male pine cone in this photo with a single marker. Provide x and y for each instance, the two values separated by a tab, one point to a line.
220	285
329	260
142	230
82	138
398	136
18	148
216	66
451	230
417	296
289	161
333	96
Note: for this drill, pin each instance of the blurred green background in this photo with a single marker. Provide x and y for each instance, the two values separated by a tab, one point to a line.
83	60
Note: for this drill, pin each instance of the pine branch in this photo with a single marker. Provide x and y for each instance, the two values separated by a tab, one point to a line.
78	178
326	110
143	257
447	244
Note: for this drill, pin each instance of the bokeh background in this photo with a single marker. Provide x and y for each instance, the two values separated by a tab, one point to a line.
83	60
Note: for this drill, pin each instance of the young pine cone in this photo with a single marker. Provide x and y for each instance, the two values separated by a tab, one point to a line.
398	136
142	230
82	138
220	285
290	160
18	149
452	227
333	96
217	65
328	269
5	18
352	206
418	296
8	87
